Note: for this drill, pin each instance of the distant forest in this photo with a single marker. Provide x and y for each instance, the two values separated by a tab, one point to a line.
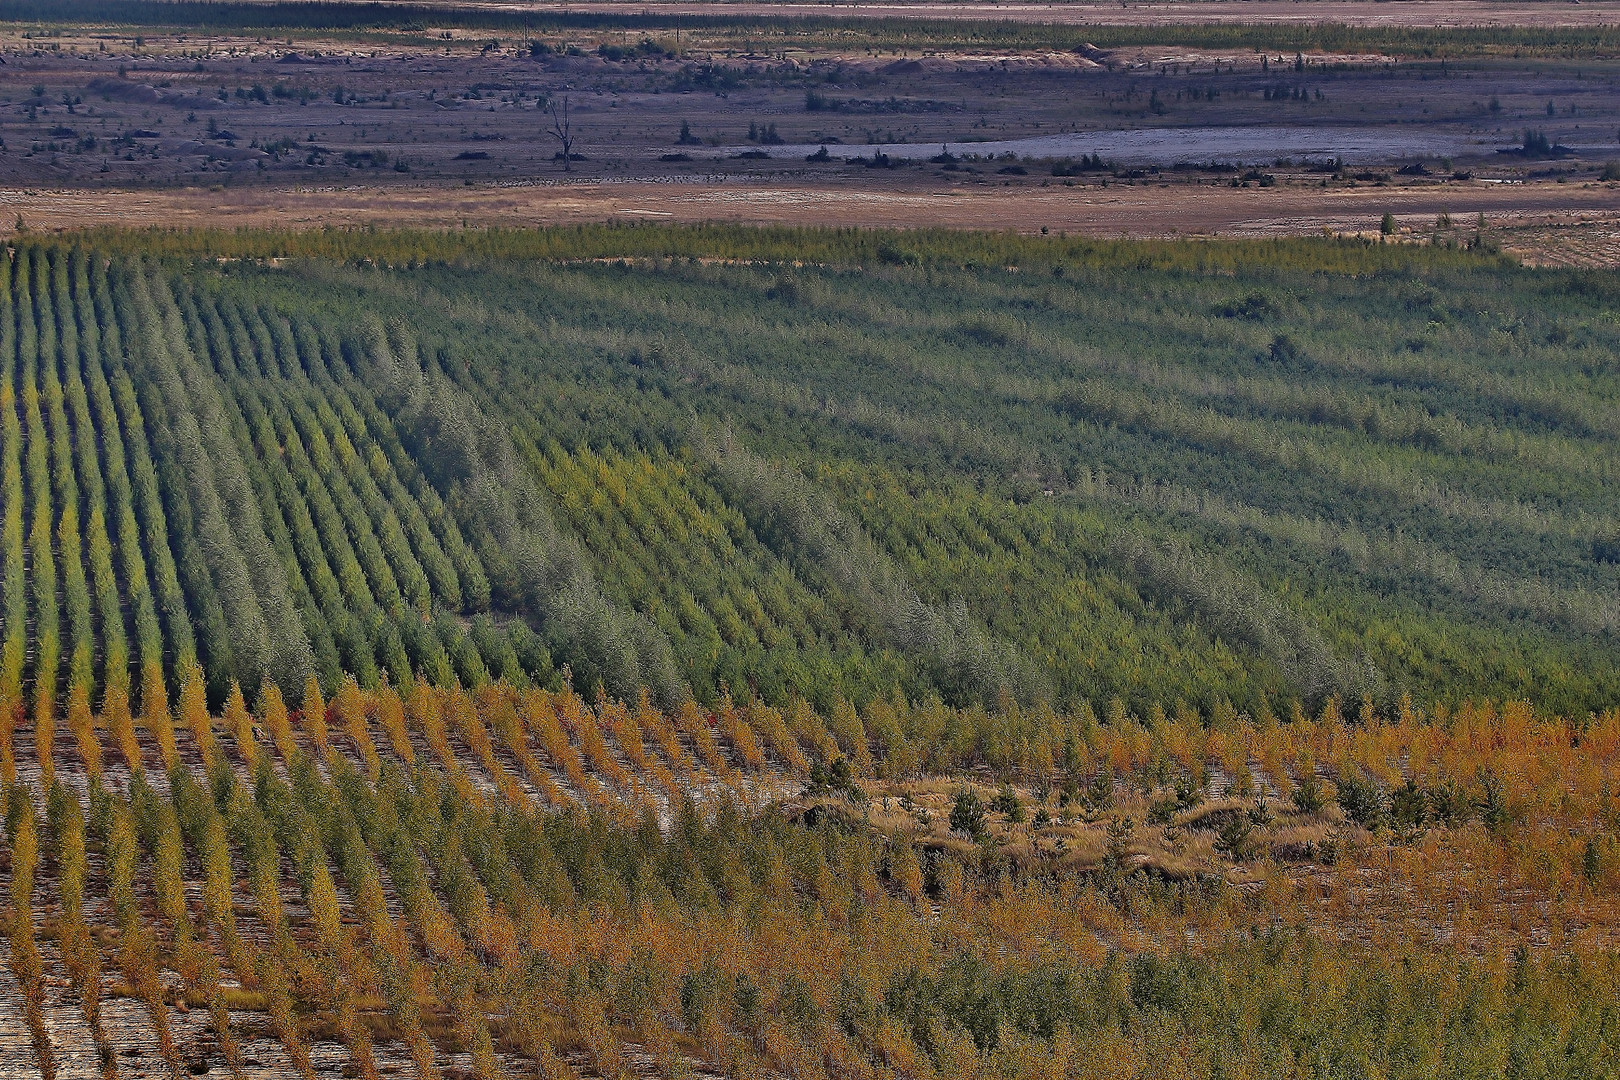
887	33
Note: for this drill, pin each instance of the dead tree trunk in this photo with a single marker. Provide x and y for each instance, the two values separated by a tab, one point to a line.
562	130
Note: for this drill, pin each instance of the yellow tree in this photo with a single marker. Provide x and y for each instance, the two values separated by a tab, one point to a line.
312	716
115	716
239	722
273	714
194	715
350	708
155	712
83	726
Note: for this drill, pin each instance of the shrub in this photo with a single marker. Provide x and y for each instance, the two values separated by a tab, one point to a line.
1235	838
967	813
1361	800
1007	802
1308	795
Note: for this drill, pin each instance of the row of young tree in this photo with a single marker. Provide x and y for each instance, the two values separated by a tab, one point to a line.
1157	489
1501	766
290	471
135	488
435	887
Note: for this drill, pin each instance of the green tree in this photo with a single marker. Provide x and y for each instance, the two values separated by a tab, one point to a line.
967	813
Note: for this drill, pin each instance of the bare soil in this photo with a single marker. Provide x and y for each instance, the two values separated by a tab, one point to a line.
103	128
101	108
1413	13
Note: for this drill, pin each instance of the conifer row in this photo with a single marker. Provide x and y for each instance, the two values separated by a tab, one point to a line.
13	553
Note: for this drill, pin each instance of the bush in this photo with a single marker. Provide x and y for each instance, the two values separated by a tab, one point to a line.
967	814
1361	800
1235	837
1308	795
1007	802
1408	806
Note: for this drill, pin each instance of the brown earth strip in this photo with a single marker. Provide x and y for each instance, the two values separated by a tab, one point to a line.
1547	222
1412	13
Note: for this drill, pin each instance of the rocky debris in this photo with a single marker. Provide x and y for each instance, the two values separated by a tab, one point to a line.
73	1048
16	1049
218	151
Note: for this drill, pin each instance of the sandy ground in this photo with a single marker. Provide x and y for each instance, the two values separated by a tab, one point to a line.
1348	12
1547	222
97	110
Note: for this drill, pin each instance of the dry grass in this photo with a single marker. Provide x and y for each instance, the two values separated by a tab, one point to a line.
1077	839
1530	220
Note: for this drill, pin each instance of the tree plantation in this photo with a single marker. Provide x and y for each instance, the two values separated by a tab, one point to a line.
738	652
965	469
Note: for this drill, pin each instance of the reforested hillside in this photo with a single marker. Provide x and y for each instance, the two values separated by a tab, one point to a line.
1044	471
640	653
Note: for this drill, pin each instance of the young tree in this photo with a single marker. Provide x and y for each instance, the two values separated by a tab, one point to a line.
312	715
116	717
79	951
967	813
83	726
239	722
273	714
1308	795
155	712
195	717
391	715
350	705
905	868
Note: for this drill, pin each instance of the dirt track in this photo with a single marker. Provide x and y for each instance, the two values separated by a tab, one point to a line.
1551	213
1271	12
